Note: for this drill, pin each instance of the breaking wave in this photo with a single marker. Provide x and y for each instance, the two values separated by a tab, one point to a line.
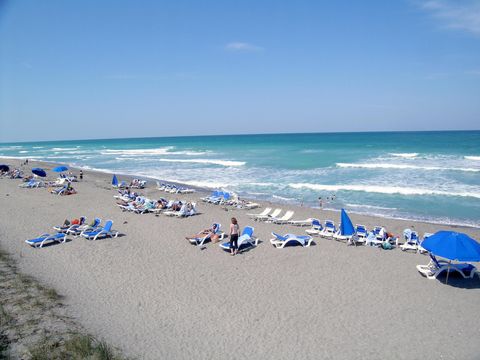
403	166
383	189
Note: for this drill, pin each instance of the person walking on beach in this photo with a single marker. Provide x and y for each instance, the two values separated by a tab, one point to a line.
234	230
81	175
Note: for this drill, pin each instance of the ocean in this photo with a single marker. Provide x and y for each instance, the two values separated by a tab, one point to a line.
428	176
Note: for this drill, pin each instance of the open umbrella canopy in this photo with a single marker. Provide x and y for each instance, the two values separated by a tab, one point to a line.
60	169
453	246
114	180
39	172
4	167
346	226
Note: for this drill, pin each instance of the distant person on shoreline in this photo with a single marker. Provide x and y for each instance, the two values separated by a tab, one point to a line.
234	230
81	175
320	202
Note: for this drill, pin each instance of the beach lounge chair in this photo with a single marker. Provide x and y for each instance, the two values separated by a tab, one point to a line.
274	214
380	233
305	222
77	230
101	233
339	237
284	219
180	212
328	230
280	241
316	228
372	239
38	242
200	241
361	231
64	229
245	241
435	267
265	212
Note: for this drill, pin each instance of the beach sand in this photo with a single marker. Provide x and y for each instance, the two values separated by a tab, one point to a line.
152	294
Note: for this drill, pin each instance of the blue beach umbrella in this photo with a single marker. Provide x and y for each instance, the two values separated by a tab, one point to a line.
39	172
60	169
114	180
453	246
4	167
346	226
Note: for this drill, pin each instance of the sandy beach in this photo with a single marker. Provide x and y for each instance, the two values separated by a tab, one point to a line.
153	295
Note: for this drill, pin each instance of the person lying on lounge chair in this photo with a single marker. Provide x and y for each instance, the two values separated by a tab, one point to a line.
212	232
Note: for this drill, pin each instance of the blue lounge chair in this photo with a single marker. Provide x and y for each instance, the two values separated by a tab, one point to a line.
38	242
436	267
200	241
245	241
329	229
101	232
280	241
77	230
316	228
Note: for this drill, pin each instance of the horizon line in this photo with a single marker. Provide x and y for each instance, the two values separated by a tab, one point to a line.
243	134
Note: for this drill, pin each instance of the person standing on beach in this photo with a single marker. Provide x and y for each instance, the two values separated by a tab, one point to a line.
81	175
320	202
234	230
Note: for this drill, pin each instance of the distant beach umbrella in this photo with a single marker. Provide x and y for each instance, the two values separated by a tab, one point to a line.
346	226
39	172
453	246
4	167
114	180
60	169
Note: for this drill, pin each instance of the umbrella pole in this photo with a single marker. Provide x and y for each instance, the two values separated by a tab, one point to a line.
448	271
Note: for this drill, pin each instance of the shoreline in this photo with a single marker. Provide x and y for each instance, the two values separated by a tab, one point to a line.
295	203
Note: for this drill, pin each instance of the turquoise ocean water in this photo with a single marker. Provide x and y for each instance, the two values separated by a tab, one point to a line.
432	176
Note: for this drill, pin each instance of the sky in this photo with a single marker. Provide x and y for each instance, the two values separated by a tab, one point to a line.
113	68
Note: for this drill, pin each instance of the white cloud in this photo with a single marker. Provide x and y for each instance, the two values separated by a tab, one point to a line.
455	14
242	47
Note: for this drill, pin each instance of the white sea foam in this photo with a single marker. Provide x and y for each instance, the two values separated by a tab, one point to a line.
476	158
168	150
206	161
37	147
23	152
63	149
282	198
201	184
20	157
384	189
370	207
403	167
405	155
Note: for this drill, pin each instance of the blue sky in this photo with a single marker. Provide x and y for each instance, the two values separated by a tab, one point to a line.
100	69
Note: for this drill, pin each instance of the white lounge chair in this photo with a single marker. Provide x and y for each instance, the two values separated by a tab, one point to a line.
274	214
200	241
265	212
280	241
305	222
284	219
435	267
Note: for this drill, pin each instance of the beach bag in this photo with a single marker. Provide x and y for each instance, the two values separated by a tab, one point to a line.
386	245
